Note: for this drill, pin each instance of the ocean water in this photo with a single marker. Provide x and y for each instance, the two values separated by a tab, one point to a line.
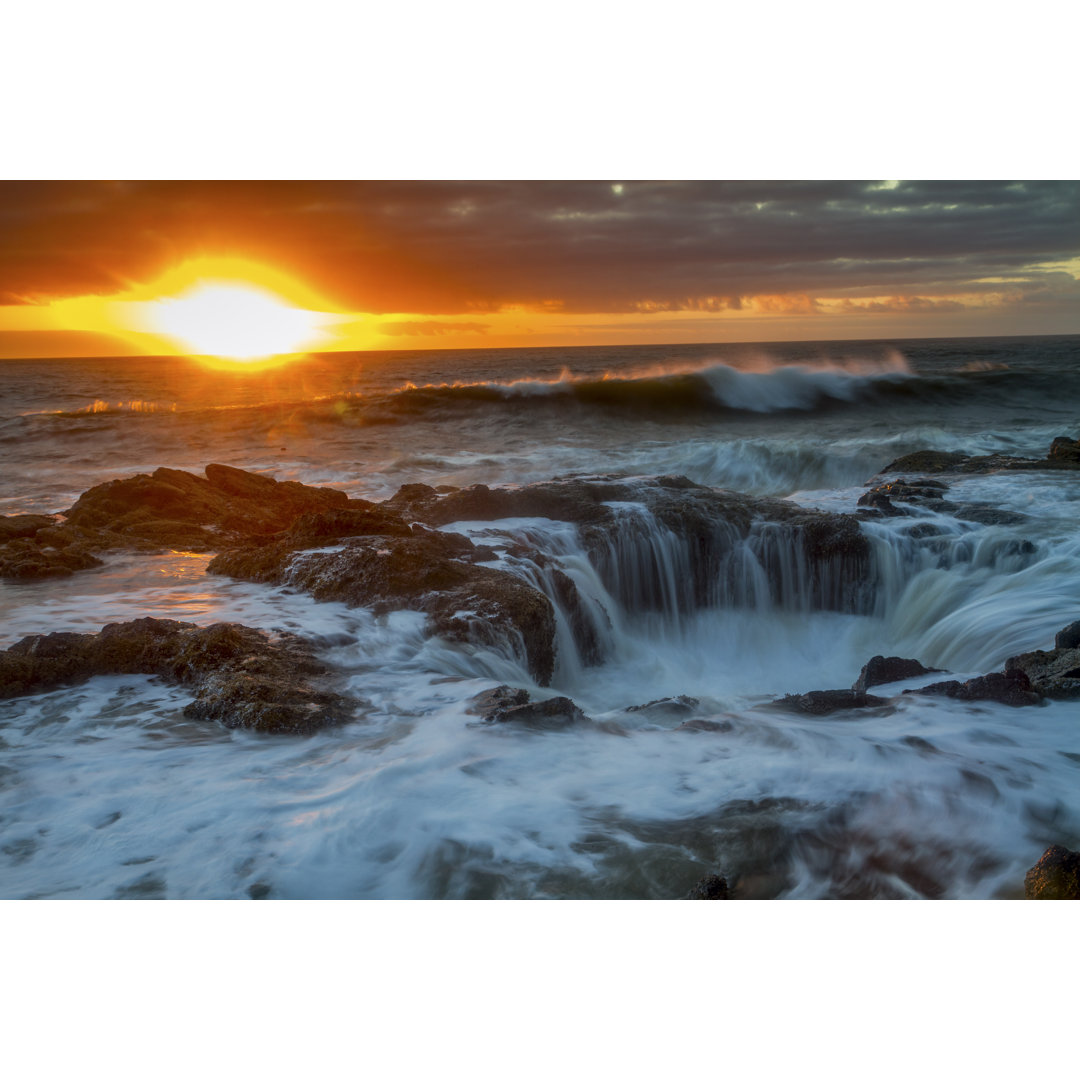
106	790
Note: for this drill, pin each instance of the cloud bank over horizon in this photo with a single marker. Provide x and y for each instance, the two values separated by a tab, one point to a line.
915	252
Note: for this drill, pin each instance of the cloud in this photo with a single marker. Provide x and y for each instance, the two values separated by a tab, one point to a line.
448	248
430	327
920	304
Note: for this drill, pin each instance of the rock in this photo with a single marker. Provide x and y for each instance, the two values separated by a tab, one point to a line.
1054	673
667	707
988	515
506	704
26	559
1069	638
831	548
167	509
888	669
425	571
1010	688
550	715
712	887
823	702
1056	876
932	461
1064	453
721	727
21	526
241	677
922	491
489	702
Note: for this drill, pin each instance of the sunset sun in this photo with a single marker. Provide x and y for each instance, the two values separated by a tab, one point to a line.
235	322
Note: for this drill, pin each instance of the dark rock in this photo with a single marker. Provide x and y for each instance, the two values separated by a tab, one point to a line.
166	509
1056	876
507	704
989	515
242	677
426	571
924	491
888	669
1054	673
823	702
712	887
932	461
1010	688
26	559
1064	453
721	727
489	702
1069	638
550	715
21	526
667	707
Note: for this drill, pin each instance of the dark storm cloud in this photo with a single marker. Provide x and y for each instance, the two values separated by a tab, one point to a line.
450	247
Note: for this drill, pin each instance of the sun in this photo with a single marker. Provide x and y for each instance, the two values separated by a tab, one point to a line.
235	322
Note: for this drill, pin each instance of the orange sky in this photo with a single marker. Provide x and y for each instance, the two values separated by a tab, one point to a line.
94	268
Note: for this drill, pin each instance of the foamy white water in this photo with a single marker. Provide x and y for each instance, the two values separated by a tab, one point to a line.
107	790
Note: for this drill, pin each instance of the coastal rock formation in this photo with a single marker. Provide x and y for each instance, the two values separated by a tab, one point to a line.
505	705
630	525
390	556
1056	876
241	677
1064	453
1010	687
925	494
1054	673
824	702
713	887
426	571
879	670
166	509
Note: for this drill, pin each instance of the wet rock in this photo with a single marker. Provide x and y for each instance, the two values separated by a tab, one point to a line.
25	559
667	707
550	715
1069	638
720	727
506	704
426	571
241	677
713	887
1056	876
932	461
489	702
327	526
167	509
921	491
988	515
21	526
1009	688
1054	673
880	670
1064	453
707	522
823	702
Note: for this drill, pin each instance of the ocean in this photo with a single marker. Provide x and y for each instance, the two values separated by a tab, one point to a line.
107	790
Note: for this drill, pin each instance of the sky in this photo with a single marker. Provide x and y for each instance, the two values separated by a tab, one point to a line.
441	264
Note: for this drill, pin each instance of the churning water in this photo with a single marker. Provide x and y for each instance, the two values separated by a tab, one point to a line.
107	790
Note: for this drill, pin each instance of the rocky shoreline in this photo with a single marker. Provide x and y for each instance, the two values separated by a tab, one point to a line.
396	555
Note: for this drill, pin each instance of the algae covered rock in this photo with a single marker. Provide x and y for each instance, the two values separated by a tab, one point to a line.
241	677
1056	876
